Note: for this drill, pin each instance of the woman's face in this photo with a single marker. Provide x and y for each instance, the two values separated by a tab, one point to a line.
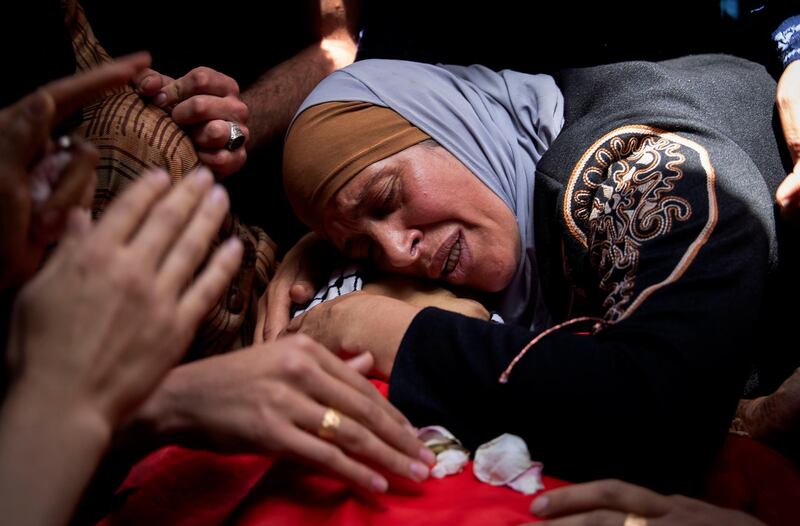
422	212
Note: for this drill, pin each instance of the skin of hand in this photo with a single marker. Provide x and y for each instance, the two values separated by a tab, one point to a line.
775	418
26	126
270	398
98	327
359	322
124	278
297	279
425	294
608	502
203	101
788	100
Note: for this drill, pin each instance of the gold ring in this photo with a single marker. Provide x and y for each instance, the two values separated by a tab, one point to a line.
330	424
632	519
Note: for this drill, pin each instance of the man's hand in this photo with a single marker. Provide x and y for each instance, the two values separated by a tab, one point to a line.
611	502
788	99
206	103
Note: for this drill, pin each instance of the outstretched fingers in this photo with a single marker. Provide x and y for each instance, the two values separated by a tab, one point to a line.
72	93
123	217
199	81
208	287
169	218
367	430
327	456
611	495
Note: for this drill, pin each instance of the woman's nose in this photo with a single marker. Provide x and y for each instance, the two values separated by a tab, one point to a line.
400	246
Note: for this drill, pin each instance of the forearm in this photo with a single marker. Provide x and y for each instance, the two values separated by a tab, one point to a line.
274	98
158	421
48	453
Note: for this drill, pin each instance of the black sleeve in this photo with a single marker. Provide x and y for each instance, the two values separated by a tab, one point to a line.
613	405
759	19
649	397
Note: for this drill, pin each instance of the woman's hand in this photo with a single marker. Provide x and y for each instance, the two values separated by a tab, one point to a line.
206	103
271	398
788	99
111	311
97	328
611	502
297	279
359	322
26	227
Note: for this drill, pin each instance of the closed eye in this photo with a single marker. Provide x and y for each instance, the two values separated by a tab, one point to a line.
388	198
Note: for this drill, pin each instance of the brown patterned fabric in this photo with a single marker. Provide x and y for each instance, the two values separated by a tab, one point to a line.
132	136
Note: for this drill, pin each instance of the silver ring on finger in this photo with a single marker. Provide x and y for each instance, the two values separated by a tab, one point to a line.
236	138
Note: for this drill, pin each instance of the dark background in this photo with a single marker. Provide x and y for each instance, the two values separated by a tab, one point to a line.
244	39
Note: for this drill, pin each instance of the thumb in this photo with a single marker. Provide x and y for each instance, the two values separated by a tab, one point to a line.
149	82
26	128
789	189
301	292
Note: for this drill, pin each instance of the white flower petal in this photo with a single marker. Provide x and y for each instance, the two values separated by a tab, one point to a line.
530	481
501	460
451	456
449	462
431	435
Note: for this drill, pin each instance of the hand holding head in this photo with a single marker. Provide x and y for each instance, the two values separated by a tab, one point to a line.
206	103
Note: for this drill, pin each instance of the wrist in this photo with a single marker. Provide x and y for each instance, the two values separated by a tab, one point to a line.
157	422
394	317
34	407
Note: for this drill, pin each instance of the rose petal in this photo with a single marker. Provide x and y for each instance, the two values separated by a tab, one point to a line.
530	481
501	460
449	462
437	434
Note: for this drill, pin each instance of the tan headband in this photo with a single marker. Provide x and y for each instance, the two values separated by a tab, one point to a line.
328	144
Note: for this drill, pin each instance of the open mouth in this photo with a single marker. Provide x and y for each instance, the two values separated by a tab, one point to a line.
452	258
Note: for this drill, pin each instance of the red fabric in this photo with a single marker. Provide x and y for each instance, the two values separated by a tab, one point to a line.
752	477
316	500
178	486
183	487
